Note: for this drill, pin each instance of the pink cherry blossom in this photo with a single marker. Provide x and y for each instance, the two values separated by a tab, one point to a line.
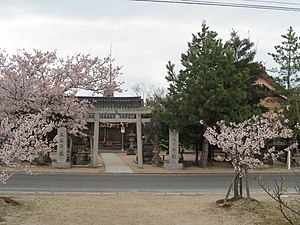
245	141
38	95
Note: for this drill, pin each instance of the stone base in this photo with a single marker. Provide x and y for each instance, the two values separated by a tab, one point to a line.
130	151
61	164
170	166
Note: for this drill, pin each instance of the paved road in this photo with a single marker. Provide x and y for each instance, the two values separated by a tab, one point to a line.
187	183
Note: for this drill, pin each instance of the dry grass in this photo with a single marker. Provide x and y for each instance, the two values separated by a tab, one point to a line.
136	209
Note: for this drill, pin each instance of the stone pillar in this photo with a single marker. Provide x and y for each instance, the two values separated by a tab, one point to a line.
173	151
95	148
139	140
61	161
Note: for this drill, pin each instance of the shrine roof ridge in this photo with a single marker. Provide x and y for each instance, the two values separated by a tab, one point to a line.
114	102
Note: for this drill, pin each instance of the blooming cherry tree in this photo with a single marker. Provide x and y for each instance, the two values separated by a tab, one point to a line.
38	95
21	140
245	142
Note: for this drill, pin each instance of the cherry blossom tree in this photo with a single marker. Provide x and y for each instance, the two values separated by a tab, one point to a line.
245	144
38	95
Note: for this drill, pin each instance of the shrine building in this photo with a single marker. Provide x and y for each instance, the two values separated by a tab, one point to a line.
112	121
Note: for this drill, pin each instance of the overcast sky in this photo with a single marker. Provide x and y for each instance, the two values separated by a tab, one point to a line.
144	36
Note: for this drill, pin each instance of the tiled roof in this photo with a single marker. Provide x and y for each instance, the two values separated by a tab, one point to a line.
114	102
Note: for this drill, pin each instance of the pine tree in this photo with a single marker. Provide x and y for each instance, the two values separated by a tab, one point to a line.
287	56
210	87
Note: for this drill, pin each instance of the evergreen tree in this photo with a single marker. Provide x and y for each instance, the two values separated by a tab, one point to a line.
244	54
156	131
211	86
287	56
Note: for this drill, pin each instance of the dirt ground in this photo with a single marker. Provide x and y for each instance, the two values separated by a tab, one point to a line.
217	167
136	209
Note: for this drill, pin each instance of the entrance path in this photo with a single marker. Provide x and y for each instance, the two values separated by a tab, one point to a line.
113	164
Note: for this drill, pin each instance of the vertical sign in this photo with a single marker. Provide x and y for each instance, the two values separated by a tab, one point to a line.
173	151
173	146
62	144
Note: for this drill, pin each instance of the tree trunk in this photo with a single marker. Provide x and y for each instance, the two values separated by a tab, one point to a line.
197	155
247	186
236	187
204	155
241	187
71	151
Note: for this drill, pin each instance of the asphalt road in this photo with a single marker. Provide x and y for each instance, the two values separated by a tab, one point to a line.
105	183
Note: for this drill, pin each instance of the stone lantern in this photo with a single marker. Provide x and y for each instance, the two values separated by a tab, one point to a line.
130	150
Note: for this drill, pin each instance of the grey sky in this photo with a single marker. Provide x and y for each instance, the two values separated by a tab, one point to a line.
144	36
